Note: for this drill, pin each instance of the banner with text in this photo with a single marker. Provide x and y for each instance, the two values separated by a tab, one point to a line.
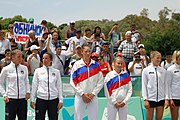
21	30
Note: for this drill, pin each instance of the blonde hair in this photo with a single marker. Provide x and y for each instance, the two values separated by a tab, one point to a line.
154	53
30	32
15	51
176	55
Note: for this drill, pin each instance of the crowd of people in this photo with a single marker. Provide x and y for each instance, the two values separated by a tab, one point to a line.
92	62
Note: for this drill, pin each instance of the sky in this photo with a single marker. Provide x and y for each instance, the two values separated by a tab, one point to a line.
63	11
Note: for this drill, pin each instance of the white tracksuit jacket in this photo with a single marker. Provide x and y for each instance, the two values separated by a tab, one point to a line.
86	79
154	83
118	87
174	81
17	83
47	84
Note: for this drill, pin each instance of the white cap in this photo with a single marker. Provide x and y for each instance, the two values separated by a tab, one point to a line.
63	47
72	21
140	46
128	32
34	47
78	46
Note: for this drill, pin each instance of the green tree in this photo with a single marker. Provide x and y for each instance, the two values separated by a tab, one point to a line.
144	12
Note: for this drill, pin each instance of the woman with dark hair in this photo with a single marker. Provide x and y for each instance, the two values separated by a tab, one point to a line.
97	29
47	89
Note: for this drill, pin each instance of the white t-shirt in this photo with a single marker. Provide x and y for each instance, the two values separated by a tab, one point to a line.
166	65
80	42
137	70
34	63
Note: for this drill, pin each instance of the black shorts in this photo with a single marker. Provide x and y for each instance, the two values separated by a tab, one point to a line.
176	102
154	104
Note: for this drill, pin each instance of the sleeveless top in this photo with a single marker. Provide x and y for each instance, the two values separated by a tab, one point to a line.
114	38
30	44
71	34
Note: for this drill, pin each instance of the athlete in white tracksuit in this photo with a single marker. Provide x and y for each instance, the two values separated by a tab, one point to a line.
47	89
155	87
87	81
174	83
17	90
118	87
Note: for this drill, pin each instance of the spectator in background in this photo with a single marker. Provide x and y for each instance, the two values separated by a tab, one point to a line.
118	87
174	89
97	30
77	56
33	59
10	35
115	38
43	40
4	44
55	29
104	66
136	66
94	56
7	60
78	39
155	87
71	32
107	56
44	26
143	55
54	42
87	36
128	48
97	44
32	41
31	20
168	61
135	34
59	57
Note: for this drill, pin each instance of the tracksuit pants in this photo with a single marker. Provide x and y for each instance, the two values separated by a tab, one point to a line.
112	111
16	107
80	106
50	105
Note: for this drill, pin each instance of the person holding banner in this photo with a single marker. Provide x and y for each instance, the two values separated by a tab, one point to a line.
87	80
47	90
118	88
32	41
174	83
155	87
16	91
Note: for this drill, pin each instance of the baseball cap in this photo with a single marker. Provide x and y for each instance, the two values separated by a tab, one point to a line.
141	46
34	47
31	19
72	22
78	46
78	31
11	26
136	53
119	54
63	47
94	54
128	32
